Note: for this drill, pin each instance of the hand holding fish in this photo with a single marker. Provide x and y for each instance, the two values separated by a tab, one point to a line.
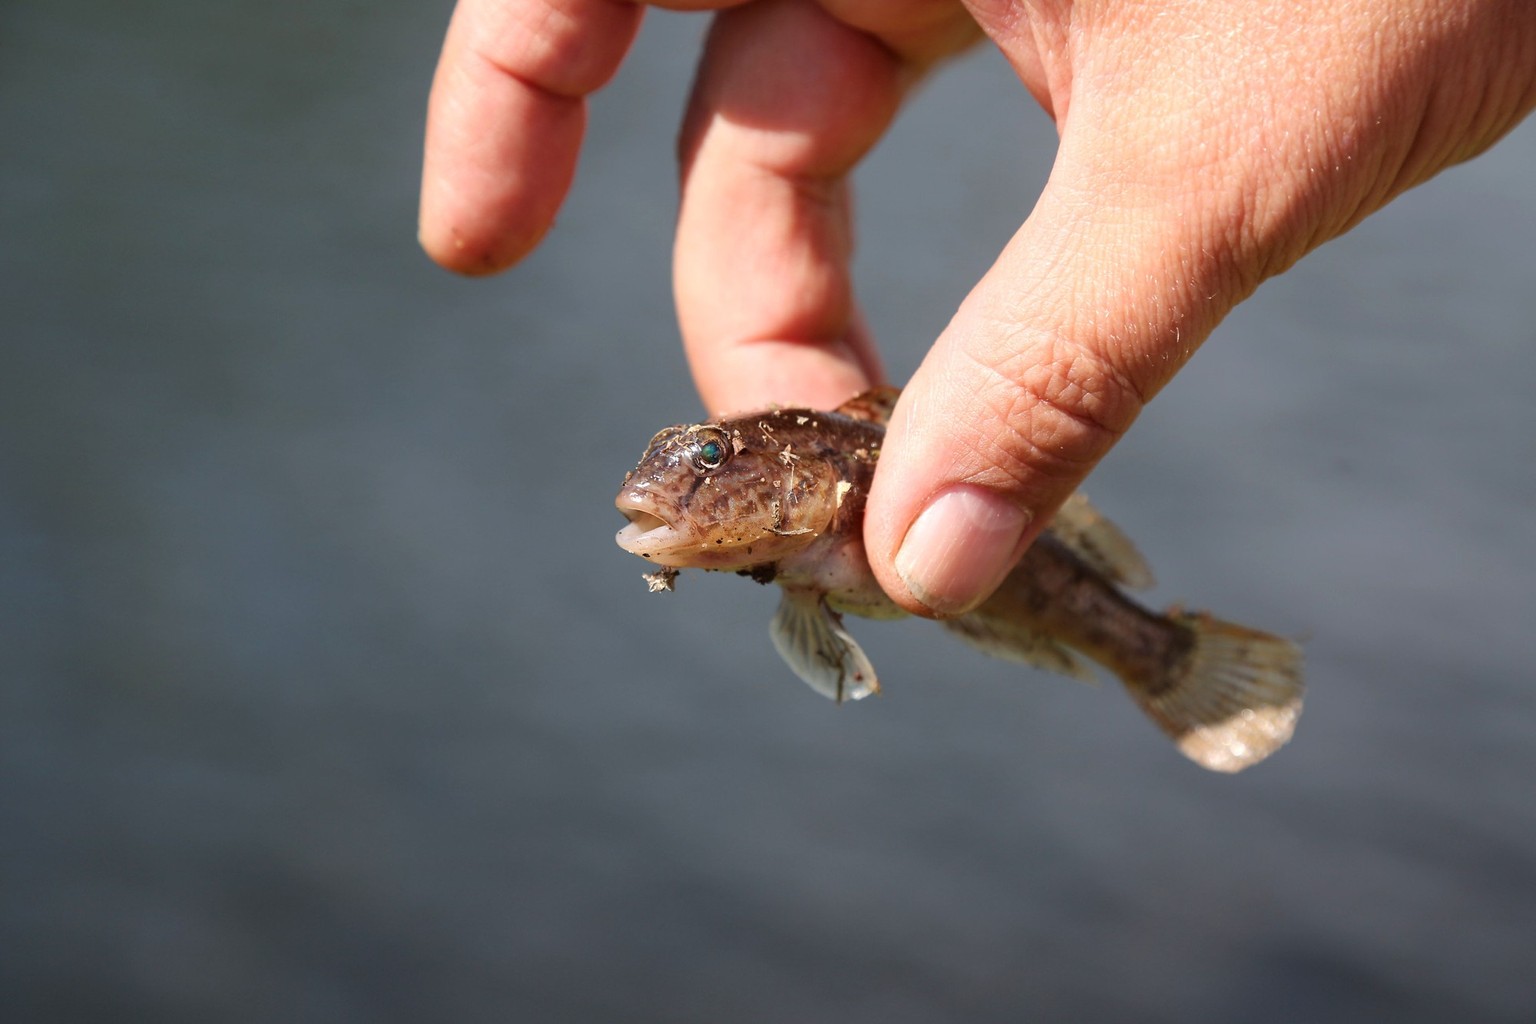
1205	146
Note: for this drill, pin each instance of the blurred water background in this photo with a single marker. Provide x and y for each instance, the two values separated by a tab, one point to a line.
326	696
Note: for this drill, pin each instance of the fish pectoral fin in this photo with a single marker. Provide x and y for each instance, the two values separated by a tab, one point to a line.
811	639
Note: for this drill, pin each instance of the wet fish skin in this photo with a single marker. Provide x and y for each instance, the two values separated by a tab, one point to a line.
791	478
779	496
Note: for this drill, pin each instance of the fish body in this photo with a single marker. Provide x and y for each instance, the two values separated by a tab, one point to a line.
779	496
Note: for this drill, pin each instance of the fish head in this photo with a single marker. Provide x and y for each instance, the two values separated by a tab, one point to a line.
728	495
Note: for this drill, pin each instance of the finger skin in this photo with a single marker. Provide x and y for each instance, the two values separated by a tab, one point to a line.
786	102
1205	147
505	122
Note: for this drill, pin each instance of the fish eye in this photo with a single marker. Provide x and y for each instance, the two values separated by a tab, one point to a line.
710	451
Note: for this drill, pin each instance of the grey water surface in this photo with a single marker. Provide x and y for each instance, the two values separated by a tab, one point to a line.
326	696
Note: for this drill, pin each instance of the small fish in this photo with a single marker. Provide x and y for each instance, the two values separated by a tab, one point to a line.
779	496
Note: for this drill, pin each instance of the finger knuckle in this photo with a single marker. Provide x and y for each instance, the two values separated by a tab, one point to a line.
1060	411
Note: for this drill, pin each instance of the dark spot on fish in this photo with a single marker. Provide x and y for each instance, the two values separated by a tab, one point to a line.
764	573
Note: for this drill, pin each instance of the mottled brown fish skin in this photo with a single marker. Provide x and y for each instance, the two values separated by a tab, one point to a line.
1063	596
780	496
1051	590
789	478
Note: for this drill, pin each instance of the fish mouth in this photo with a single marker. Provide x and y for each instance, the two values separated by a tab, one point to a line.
649	533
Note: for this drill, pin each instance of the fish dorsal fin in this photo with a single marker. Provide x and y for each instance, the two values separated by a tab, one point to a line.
874	405
811	639
1100	543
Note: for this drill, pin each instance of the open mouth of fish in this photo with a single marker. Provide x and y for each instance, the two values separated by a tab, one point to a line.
648	533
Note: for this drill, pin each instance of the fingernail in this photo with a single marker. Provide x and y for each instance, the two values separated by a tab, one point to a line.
960	547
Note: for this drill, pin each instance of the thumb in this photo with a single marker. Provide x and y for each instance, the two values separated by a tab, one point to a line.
1186	174
1089	310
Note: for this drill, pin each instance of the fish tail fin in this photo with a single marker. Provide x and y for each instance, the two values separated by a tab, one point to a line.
1232	700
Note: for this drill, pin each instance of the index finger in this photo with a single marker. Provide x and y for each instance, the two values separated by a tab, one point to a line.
505	121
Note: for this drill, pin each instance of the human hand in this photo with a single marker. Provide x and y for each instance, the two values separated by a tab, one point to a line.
1205	146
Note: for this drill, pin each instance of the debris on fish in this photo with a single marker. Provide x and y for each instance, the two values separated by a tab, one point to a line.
664	578
779	496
